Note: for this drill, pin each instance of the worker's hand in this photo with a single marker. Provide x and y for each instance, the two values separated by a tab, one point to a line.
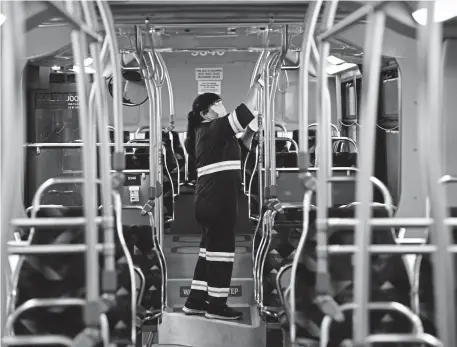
254	125
259	80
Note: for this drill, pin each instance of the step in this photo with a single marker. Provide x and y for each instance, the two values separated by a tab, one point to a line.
195	239
183	265
241	292
181	253
194	331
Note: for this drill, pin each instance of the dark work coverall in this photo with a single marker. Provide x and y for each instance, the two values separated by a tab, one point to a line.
218	159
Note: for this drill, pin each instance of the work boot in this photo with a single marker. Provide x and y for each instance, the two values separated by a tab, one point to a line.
195	307
224	313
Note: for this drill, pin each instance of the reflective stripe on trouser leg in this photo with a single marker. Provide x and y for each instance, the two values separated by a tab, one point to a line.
220	255
217	212
199	284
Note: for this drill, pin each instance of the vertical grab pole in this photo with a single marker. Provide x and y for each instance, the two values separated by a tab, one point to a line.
11	71
364	192
322	157
159	198
158	79
443	271
152	157
324	123
254	74
118	156
312	15
89	173
148	76
171	124
261	146
277	71
186	163
267	126
260	165
109	270
271	125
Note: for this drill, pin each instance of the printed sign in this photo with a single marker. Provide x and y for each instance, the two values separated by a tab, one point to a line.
210	73
209	87
235	291
139	136
134	193
132	180
56	101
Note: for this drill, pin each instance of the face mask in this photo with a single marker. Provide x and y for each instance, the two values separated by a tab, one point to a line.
210	116
219	109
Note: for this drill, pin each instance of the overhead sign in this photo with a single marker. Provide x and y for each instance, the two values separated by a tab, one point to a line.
56	101
209	87
235	291
210	73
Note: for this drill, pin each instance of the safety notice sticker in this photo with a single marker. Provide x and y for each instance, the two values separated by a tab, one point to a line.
209	87
235	291
210	73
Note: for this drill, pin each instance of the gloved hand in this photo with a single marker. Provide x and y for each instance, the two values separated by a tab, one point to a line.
254	125
169	128
258	79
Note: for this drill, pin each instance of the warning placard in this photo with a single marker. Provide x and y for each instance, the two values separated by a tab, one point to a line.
235	291
210	73
209	87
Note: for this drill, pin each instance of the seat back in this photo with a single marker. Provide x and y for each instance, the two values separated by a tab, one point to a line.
388	280
427	285
63	275
344	159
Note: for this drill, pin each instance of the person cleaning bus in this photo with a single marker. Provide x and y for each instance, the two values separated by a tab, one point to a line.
212	142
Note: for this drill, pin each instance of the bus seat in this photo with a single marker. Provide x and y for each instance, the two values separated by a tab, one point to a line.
286	159
426	284
344	159
389	281
63	275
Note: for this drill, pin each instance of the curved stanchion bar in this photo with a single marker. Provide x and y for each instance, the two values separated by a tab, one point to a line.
128	257
160	255
12	340
334	128
268	216
417	335
256	270
140	274
341	140
301	245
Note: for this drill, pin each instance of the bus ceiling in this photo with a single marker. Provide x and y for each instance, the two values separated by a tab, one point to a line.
185	13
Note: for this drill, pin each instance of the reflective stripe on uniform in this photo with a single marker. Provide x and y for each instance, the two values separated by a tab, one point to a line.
220	166
235	123
218	292
199	285
220	256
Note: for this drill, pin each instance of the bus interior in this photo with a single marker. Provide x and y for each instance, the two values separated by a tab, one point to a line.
347	210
